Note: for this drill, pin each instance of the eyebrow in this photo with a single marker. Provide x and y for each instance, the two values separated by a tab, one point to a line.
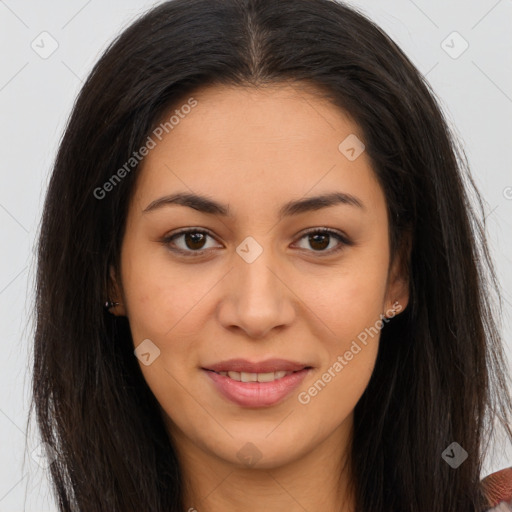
209	206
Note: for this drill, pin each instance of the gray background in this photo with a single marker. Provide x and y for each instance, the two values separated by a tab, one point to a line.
36	95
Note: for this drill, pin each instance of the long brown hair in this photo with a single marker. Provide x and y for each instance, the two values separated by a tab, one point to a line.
440	375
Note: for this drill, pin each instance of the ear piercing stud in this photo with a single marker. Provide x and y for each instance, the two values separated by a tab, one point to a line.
109	304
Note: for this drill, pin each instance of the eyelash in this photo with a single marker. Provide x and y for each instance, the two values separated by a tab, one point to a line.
192	254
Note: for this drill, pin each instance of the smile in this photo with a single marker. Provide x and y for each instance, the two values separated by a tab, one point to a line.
255	377
251	389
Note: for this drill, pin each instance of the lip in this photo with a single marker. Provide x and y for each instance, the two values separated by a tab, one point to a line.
269	365
257	394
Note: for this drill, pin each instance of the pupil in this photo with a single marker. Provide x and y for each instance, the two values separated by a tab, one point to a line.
196	238
315	238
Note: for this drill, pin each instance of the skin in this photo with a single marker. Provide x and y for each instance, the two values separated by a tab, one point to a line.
255	149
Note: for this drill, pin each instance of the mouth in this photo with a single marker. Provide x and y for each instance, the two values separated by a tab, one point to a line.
260	384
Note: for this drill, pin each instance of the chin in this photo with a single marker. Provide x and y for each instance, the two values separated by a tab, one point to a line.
259	452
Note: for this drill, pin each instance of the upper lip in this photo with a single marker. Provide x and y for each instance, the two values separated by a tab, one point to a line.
267	366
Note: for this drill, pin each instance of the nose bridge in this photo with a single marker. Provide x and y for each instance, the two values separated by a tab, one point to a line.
257	298
256	272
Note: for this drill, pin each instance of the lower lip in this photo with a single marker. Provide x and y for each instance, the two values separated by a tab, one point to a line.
257	394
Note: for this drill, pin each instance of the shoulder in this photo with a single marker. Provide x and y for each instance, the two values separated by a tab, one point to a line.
498	489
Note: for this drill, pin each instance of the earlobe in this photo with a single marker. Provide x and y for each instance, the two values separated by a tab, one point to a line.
398	285
399	299
114	302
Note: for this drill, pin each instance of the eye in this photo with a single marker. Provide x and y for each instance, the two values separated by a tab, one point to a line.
192	238
320	238
193	241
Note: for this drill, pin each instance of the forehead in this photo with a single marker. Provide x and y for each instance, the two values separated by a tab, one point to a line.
257	144
274	113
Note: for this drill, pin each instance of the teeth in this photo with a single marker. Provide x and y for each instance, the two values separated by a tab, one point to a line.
255	377
248	377
266	377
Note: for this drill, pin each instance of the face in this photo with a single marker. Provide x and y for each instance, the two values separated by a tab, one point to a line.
291	288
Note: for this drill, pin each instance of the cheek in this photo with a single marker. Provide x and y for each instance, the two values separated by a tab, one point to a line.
166	305
350	322
348	308
347	299
160	295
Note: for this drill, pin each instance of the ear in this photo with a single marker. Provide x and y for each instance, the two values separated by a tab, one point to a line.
397	293
115	293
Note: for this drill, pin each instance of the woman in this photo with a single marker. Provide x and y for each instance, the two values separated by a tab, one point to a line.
261	284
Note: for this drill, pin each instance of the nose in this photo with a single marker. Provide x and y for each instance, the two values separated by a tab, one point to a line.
258	297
